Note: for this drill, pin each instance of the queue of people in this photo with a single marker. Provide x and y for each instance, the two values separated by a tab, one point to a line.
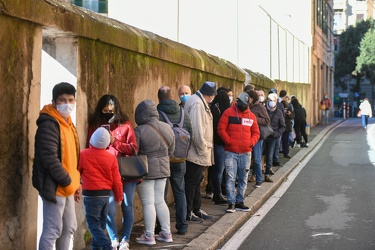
225	137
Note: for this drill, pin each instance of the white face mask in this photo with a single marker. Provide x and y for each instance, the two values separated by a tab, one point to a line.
65	109
261	98
231	99
271	104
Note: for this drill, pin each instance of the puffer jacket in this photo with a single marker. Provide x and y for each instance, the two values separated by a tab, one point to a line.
239	130
49	174
201	151
277	122
260	111
99	172
157	147
125	142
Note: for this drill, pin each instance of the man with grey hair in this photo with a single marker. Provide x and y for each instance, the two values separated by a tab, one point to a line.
184	92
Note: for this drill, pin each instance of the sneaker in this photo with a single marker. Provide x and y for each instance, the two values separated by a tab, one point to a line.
298	145
258	185
268	179
202	214
115	243
241	207
306	145
287	156
293	144
124	245
194	218
164	237
252	178
209	195
147	240
230	209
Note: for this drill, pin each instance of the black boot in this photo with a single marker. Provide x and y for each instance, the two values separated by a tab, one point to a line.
219	199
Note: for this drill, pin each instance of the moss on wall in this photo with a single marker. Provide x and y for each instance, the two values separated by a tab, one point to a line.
16	39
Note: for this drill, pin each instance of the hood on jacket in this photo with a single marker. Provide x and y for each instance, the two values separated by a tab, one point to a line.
146	111
169	106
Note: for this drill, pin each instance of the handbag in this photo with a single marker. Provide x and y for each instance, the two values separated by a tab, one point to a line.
322	106
359	114
133	167
265	131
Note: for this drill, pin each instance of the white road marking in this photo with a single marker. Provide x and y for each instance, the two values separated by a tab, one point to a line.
323	234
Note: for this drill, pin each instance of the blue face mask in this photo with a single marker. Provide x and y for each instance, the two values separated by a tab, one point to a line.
184	98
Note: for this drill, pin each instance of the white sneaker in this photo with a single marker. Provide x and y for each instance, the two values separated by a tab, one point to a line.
165	238
115	243
124	245
147	240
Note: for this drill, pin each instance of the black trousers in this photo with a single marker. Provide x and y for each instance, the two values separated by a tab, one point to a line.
193	178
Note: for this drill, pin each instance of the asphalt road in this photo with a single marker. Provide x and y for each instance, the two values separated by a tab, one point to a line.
330	204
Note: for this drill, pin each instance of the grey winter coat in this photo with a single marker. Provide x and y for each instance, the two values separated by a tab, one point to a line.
157	147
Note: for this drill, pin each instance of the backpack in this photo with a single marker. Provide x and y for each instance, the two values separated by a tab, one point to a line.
182	137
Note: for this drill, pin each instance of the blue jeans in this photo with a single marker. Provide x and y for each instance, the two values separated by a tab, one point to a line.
237	167
96	209
219	167
270	147
276	150
325	115
177	180
257	154
127	213
364	120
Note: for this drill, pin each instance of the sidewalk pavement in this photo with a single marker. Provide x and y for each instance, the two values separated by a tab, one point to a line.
213	234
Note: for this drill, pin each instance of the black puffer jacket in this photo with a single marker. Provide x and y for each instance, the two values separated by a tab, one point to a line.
47	140
277	122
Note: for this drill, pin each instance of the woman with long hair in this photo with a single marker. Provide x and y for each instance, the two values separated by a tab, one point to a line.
108	114
220	103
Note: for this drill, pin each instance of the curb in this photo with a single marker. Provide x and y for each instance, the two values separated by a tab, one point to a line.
221	230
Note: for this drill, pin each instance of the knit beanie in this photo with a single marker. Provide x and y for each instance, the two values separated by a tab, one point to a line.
273	90
100	138
208	88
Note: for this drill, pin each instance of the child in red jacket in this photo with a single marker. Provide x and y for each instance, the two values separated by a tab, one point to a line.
100	175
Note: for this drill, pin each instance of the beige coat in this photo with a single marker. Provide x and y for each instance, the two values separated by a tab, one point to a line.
201	151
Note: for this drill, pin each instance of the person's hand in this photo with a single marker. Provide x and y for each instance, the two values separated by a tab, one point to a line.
112	139
118	203
77	194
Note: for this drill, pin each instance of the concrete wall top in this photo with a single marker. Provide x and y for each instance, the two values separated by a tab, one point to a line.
76	21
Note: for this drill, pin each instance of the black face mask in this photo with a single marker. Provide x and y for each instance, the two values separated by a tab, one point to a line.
107	116
241	107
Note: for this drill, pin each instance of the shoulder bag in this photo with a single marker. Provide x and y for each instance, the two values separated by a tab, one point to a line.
265	131
133	167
